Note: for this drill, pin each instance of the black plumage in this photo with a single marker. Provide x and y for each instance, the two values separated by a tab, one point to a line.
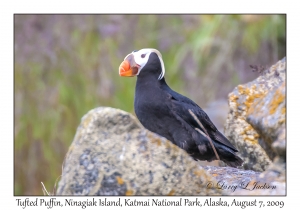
166	112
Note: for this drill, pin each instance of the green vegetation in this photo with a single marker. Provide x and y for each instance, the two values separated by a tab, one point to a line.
66	65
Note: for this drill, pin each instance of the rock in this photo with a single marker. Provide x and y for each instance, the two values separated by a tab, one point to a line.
269	121
112	154
256	120
233	181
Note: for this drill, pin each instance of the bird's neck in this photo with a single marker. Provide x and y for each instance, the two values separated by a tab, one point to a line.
150	82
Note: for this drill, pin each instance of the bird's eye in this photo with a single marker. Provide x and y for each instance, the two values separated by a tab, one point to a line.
143	55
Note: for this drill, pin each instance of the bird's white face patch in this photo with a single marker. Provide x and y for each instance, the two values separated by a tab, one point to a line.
141	58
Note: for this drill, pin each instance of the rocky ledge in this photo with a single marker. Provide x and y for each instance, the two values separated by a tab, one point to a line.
112	154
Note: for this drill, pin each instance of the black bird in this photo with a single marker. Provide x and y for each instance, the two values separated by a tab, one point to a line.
166	112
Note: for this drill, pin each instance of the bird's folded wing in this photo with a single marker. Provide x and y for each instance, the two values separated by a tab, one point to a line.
181	107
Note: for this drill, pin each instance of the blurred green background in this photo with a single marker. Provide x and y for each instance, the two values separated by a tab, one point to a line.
66	65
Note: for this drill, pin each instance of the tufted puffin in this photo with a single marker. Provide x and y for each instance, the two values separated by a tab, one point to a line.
167	113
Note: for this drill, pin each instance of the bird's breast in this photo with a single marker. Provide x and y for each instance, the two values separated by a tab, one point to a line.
151	109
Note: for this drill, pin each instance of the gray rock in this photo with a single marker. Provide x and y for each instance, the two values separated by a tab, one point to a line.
269	121
233	181
257	110
112	154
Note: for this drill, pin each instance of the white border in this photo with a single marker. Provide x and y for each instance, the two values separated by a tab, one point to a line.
8	8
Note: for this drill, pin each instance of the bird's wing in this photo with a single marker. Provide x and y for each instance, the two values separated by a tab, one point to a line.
181	106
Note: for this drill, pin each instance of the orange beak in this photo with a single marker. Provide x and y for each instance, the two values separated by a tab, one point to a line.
128	67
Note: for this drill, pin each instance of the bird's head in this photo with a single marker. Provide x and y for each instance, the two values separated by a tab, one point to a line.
149	60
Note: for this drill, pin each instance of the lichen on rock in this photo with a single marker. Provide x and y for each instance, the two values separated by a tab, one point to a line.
257	111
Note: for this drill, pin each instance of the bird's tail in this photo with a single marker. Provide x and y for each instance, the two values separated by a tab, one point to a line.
228	156
233	162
